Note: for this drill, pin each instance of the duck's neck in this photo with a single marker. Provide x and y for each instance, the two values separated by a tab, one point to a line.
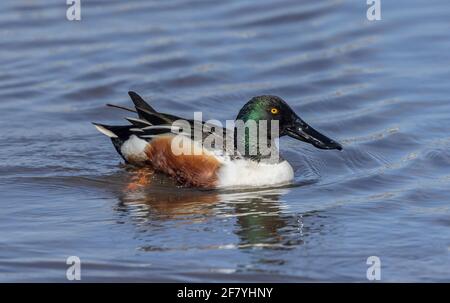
257	145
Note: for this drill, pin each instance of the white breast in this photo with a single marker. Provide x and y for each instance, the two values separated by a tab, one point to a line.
247	173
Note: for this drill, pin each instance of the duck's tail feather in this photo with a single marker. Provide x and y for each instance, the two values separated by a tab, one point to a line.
154	118
138	122
139	102
121	107
119	134
149	124
115	132
145	111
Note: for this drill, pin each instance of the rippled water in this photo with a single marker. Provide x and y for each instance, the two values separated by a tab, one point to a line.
381	88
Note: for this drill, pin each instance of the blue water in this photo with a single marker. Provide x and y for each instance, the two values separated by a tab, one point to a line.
380	88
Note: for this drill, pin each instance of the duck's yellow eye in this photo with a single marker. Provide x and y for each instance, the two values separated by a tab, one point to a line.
274	110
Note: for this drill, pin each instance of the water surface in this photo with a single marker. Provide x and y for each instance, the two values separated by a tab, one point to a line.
380	88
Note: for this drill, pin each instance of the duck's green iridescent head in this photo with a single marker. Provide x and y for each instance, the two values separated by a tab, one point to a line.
271	108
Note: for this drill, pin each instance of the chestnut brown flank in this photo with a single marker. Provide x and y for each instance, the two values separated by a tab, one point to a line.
189	170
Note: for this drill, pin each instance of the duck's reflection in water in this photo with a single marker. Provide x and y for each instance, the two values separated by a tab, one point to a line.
170	203
263	221
258	219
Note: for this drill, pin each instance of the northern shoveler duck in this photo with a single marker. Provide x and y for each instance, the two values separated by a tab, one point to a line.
147	141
